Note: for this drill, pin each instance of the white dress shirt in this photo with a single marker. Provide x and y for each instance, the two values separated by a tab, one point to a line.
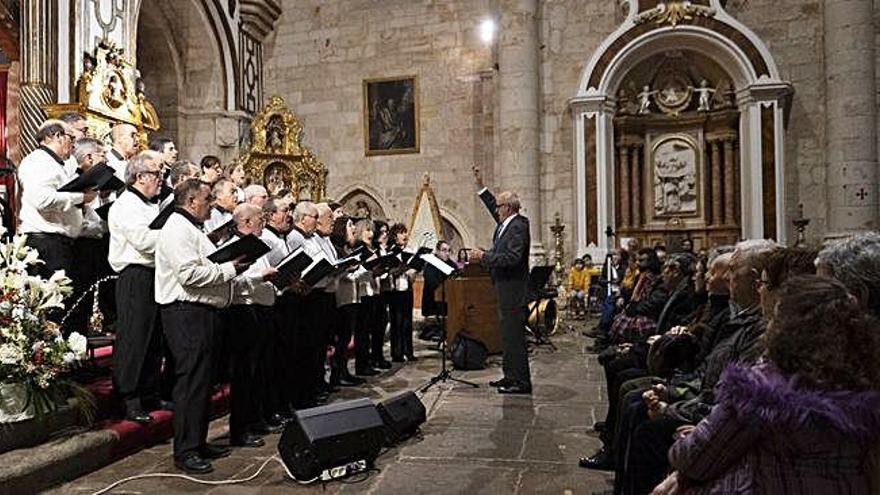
132	242
277	245
183	271
218	218
43	208
118	163
251	288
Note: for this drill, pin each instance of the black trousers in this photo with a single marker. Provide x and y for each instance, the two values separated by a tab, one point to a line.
378	323
294	314
647	456
250	330
512	320
401	311
137	352
348	323
190	330
363	332
56	252
324	329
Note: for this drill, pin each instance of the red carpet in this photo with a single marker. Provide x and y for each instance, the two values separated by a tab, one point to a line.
133	436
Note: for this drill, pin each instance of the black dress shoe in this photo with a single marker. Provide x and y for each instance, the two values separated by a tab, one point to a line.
139	417
351	381
397	359
276	420
214	451
266	428
601	461
515	388
599	426
366	372
194	464
382	364
502	382
412	358
247	441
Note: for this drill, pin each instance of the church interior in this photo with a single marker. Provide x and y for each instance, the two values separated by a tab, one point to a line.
655	146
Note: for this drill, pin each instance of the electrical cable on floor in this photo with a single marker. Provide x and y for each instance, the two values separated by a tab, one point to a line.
204	482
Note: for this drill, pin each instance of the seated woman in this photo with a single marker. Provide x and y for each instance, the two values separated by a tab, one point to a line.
804	421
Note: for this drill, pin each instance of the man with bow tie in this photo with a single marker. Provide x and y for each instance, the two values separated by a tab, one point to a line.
508	265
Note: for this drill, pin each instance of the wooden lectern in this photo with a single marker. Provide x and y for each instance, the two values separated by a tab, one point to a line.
473	308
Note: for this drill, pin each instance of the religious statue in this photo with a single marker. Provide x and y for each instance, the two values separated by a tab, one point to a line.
704	93
275	133
645	100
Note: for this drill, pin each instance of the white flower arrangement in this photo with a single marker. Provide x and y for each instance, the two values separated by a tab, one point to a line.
32	350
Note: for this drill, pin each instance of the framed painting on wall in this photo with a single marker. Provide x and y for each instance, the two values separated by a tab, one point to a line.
391	115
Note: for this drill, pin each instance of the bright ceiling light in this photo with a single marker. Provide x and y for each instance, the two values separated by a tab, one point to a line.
487	31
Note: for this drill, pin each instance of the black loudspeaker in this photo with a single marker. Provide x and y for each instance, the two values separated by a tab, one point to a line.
329	436
402	416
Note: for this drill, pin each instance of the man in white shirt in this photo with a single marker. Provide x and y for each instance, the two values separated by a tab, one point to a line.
250	332
79	128
190	290
51	219
137	350
124	142
91	245
167	150
225	201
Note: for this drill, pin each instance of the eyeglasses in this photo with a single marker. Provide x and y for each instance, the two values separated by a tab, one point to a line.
155	173
312	216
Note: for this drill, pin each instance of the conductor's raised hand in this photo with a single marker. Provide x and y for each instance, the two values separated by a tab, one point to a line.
478	177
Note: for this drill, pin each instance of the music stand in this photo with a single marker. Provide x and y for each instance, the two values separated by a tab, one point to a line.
538	278
444	373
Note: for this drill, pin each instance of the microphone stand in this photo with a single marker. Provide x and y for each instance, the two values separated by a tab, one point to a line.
444	374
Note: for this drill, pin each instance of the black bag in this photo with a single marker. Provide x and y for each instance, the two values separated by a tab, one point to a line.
468	353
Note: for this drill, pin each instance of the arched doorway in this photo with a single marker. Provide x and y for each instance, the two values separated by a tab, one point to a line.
606	156
184	60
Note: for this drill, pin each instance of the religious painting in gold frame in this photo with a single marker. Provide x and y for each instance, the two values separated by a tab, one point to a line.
277	158
391	115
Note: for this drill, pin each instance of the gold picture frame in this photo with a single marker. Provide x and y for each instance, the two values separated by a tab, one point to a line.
391	115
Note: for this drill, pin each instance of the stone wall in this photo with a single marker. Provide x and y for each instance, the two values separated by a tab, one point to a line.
317	59
322	50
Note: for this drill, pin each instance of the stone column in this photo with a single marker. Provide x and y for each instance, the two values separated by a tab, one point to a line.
39	66
729	182
717	200
636	183
850	116
624	188
518	111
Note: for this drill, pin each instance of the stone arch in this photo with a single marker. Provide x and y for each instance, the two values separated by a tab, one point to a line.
761	97
362	192
460	236
187	63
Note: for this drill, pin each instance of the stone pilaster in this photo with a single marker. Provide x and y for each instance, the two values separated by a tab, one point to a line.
518	112
850	117
39	65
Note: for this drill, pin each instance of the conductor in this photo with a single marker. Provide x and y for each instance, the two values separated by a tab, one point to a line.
508	265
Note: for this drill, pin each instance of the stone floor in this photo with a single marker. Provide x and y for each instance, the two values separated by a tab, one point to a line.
474	441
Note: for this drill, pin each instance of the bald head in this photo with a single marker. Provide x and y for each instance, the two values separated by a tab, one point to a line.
717	273
124	138
248	219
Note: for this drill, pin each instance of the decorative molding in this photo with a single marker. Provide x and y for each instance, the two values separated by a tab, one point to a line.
673	13
258	17
251	78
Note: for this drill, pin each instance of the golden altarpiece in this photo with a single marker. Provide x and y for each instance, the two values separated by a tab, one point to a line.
676	167
108	92
277	158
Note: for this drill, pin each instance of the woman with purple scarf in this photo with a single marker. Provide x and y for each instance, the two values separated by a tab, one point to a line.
802	422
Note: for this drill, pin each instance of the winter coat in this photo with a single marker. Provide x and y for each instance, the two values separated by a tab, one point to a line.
772	434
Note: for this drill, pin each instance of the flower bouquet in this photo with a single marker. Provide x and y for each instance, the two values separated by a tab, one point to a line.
34	356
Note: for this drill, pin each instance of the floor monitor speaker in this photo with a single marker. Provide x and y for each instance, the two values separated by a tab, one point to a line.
402	415
329	436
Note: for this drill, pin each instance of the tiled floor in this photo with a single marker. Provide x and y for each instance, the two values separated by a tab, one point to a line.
474	441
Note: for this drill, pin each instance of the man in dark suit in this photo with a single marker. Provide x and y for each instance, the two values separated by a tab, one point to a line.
508	264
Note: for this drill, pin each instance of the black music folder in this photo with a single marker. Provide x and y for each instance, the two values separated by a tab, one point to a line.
162	217
384	263
222	233
317	271
249	246
290	267
104	210
100	177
